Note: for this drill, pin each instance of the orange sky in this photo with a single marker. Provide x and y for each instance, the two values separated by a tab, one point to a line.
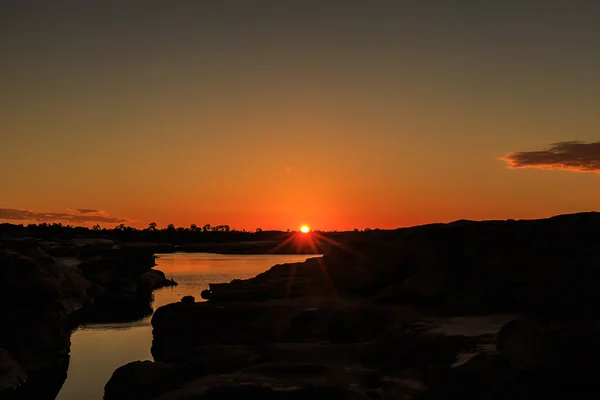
275	115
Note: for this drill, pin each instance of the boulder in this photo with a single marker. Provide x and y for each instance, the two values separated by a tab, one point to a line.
152	280
42	293
562	351
76	290
141	380
25	246
183	326
483	376
188	299
11	373
570	345
25	282
291	392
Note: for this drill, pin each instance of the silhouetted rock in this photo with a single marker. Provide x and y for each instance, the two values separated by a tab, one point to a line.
43	296
375	318
183	326
459	268
484	376
152	280
291	392
11	373
569	345
141	380
188	299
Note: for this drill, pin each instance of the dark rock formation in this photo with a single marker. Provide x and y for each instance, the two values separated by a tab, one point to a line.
188	299
143	380
11	373
44	296
152	280
567	350
459	268
182	327
378	317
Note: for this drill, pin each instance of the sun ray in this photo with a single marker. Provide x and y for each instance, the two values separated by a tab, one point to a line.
282	244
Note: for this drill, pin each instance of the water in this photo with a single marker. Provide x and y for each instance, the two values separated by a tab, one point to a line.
98	349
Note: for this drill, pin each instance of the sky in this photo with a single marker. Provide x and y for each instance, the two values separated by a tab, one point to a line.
338	114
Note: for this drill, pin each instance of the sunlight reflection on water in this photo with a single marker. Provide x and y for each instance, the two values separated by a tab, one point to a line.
98	349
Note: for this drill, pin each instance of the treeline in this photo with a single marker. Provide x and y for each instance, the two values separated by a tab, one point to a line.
191	234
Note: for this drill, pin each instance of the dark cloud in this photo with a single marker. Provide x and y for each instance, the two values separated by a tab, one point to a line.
88	211
567	156
78	216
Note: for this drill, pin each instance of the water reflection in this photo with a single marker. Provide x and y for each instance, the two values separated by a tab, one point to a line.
100	348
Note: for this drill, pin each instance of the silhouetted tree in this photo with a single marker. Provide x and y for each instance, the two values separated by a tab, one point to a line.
96	228
206	228
194	228
258	230
152	226
221	228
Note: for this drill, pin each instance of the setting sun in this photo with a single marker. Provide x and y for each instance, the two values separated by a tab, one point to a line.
304	229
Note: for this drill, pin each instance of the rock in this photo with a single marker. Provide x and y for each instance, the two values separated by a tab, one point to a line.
410	346
521	342
32	329
45	296
291	392
11	373
26	247
134	380
313	329
141	380
562	351
122	282
76	290
572	345
181	327
152	280
188	299
481	377
25	282
94	242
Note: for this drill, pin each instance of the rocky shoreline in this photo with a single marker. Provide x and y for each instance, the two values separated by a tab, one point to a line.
481	310
51	287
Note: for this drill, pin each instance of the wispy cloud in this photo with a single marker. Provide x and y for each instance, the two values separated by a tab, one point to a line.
78	216
88	211
566	156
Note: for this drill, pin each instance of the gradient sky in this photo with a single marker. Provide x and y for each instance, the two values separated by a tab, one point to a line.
339	114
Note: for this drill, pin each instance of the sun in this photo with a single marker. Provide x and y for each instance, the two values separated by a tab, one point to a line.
304	229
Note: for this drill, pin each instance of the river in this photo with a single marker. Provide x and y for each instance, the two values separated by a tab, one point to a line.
98	349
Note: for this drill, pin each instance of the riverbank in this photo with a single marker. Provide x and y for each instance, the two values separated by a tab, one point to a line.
49	287
493	309
98	349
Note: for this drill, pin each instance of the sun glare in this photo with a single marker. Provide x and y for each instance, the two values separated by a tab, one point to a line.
304	229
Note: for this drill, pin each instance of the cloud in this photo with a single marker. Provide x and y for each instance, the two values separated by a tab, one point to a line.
88	211
566	156
77	216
